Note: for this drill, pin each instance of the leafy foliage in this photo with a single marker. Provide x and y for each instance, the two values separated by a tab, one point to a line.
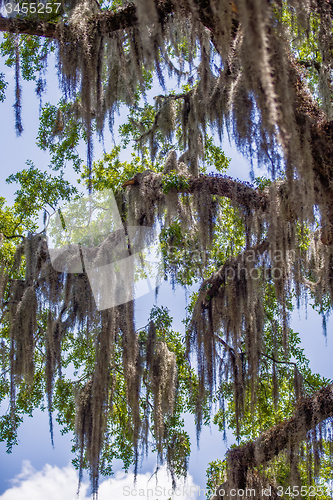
39	191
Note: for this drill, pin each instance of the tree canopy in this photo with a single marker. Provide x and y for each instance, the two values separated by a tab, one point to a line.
259	71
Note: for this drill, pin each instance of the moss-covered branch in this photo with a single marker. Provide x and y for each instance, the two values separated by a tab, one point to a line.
211	286
239	192
28	27
308	414
105	21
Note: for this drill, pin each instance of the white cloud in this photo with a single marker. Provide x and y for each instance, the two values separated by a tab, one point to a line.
52	483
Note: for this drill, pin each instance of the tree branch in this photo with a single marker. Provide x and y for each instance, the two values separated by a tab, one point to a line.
13	236
104	21
224	343
210	287
309	64
277	361
28	27
308	414
239	192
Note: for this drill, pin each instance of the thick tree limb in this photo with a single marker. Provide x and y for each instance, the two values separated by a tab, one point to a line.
308	414
105	21
240	192
28	27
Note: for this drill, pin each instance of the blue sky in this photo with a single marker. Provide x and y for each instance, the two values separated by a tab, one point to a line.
34	469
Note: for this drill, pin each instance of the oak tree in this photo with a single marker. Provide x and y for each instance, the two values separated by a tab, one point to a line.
258	70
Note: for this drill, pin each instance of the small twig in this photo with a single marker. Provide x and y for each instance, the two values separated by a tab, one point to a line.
5	371
276	361
13	236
